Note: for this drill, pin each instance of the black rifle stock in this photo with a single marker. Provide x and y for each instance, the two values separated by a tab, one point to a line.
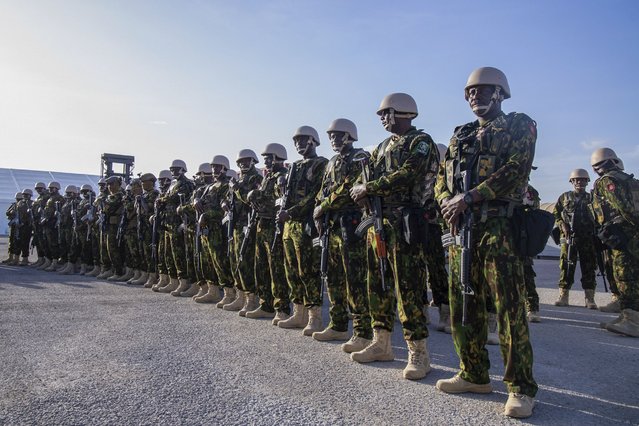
185	226
248	229
229	219
466	257
283	201
58	219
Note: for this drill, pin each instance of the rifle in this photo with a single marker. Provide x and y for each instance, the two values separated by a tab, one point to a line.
323	240
139	223
228	219
252	220
570	240
197	256
58	219
74	217
600	253
282	202
89	217
154	234
121	227
376	220
185	225
34	240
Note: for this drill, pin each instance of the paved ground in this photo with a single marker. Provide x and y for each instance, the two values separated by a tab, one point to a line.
79	351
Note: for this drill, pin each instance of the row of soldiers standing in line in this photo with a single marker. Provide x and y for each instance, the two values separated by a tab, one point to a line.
386	199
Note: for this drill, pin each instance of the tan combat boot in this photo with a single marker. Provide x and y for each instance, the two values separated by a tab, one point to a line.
94	272
519	406
162	282
493	336
379	350
67	269
629	324
53	266
45	264
104	273
118	277
613	307
128	274
590	299
299	319
329	334
203	288
83	269
533	316
212	294
238	303
38	262
259	313
193	289
563	297
314	321
183	286
458	385
418	360
172	285
229	297
151	280
280	316
614	321
444	319
135	277
24	261
250	304
144	276
355	344
8	260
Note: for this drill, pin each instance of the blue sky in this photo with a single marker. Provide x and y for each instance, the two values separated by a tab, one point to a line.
191	79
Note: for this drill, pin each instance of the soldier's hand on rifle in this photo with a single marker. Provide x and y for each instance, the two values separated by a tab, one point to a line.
225	206
197	205
452	208
318	212
232	183
565	229
283	216
358	192
202	221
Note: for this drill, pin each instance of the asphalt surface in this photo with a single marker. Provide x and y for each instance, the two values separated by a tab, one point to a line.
74	350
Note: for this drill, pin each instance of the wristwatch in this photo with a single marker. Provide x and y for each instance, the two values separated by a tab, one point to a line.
468	199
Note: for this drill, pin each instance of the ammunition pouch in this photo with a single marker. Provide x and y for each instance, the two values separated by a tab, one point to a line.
531	229
348	223
613	236
309	228
414	225
556	235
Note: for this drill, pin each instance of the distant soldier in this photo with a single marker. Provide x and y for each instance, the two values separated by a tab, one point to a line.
69	249
531	200
577	231
39	240
214	235
25	218
132	237
165	265
615	206
488	163
301	258
242	266
50	221
346	268
398	182
14	232
99	230
144	206
270	279
112	209
84	229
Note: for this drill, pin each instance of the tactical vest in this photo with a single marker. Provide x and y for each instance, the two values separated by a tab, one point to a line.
266	208
482	151
335	174
577	206
602	210
303	181
392	159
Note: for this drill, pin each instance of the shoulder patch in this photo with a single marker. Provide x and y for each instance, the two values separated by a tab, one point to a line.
421	148
611	187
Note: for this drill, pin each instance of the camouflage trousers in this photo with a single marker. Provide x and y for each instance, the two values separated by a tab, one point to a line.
146	251
436	264
52	242
585	247
162	265
177	258
301	265
270	279
243	271
202	262
532	298
134	258
87	247
24	241
404	279
70	246
347	285
14	244
105	260
495	271
215	242
114	251
625	266
38	239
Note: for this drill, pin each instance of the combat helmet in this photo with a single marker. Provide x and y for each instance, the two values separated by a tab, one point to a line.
247	153
488	76
579	173
603	154
307	131
221	160
179	163
275	149
403	105
204	168
343	125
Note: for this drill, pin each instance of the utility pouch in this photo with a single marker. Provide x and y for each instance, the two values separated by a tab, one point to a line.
613	236
348	224
531	229
414	223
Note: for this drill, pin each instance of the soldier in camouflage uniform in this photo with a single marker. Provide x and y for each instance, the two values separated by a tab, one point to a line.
270	280
176	251
132	238
242	267
531	200
201	268
497	151
615	207
164	267
301	258
577	229
25	220
214	237
112	208
99	230
144	206
346	274
400	174
69	249
38	232
49	220
84	229
14	232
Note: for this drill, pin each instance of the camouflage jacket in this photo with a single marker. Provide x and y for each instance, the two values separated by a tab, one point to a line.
68	210
246	183
306	183
404	169
170	201
340	175
50	208
113	206
615	199
263	198
24	216
212	198
39	204
498	155
572	204
531	197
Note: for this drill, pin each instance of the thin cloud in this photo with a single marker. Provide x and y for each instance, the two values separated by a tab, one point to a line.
592	145
158	123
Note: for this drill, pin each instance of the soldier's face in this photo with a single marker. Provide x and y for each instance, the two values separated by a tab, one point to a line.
303	144
148	185
53	190
39	190
579	184
26	197
218	170
338	140
102	187
245	164
113	187
176	172
479	98
268	161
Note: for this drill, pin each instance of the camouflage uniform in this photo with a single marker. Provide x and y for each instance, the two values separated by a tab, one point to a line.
270	279
347	253
504	149
301	259
26	227
131	236
400	166
616	209
100	231
85	240
146	209
69	248
39	234
244	273
175	250
572	203
113	207
50	224
214	238
202	268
